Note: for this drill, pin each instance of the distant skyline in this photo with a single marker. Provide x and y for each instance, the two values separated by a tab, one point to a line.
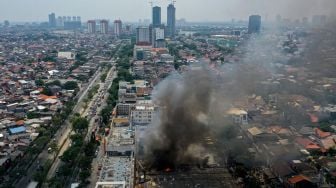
191	10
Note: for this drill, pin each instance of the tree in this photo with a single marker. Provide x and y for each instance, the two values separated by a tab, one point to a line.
32	115
47	91
70	154
84	162
2	171
77	140
83	175
222	59
39	82
56	120
103	77
80	124
54	147
70	85
55	82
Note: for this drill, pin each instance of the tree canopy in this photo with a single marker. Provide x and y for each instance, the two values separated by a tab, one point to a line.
70	85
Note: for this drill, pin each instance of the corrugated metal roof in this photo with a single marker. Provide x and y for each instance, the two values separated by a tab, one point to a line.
17	130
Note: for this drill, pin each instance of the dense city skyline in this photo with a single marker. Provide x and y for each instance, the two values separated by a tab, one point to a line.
133	10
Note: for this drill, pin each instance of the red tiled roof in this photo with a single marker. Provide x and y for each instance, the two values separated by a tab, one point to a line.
313	118
298	178
306	143
20	122
44	97
321	134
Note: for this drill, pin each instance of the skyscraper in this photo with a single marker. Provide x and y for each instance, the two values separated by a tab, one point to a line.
91	24
156	16
319	20
171	20
52	20
117	28
6	23
143	36
59	22
71	23
104	26
254	24
158	37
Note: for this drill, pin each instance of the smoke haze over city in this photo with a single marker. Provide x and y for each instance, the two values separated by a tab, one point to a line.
133	10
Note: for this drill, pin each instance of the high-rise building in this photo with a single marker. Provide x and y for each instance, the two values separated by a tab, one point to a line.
319	20
117	28
72	23
59	22
171	20
254	24
91	25
6	23
278	18
143	36
156	20
52	20
305	21
104	26
158	36
79	19
128	29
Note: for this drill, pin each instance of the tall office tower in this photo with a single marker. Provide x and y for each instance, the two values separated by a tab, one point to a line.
128	29
305	21
52	20
68	18
143	36
156	16
74	18
91	24
59	22
319	20
254	24
79	19
117	28
278	18
6	23
171	20
104	26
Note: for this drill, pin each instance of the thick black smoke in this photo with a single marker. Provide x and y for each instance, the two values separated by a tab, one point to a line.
184	102
193	104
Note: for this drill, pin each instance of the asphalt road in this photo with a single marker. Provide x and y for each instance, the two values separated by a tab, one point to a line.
60	136
64	141
93	112
94	173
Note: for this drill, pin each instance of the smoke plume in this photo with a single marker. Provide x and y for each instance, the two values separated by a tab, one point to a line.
192	104
184	102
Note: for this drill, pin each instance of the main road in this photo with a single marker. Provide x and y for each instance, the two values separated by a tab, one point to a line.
60	135
64	142
92	112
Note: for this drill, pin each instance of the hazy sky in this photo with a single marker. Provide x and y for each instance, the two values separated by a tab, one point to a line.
133	10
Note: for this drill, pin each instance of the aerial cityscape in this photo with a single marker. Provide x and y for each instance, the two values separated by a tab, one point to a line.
164	99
